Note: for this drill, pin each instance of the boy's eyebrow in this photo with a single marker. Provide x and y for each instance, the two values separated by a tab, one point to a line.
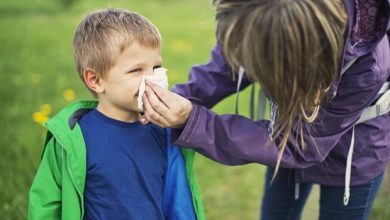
133	65
160	62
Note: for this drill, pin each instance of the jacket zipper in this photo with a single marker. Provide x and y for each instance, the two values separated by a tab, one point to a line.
72	178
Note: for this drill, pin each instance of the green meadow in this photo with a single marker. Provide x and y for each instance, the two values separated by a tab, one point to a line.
38	78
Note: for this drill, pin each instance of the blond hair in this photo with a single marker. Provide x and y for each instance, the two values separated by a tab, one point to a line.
105	34
292	48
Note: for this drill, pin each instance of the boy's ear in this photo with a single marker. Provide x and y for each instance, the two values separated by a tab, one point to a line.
93	80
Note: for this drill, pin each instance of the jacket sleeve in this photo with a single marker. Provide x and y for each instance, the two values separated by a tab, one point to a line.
45	194
210	83
234	140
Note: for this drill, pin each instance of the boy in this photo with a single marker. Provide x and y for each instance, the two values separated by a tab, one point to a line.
99	162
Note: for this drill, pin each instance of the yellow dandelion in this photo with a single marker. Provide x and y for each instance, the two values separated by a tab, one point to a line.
46	109
69	95
40	118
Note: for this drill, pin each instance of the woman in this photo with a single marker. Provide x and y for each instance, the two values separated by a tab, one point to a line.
324	66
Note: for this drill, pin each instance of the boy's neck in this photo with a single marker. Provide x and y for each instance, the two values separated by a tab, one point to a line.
118	114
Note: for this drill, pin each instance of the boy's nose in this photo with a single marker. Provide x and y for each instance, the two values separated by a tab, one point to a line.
149	72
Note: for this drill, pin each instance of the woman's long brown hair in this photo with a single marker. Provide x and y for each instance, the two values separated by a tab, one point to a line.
292	48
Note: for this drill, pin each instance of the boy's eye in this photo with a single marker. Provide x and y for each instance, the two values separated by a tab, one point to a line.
158	66
135	70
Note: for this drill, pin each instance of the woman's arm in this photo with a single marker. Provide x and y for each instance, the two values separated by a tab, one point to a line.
231	139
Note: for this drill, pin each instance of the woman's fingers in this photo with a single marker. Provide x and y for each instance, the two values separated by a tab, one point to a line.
164	95
155	102
151	115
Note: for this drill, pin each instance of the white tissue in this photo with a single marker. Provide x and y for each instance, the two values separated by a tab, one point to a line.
159	78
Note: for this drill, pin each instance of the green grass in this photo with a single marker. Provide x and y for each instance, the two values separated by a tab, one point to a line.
36	67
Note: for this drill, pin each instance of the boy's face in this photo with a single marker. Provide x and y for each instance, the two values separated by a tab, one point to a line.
121	83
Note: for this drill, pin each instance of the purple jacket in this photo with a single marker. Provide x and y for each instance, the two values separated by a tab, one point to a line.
235	140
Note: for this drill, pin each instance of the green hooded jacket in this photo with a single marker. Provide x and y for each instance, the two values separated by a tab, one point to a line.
58	187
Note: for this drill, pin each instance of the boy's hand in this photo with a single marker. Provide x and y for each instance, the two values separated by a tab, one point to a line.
165	108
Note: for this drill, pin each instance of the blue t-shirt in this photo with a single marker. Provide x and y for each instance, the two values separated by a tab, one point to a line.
126	165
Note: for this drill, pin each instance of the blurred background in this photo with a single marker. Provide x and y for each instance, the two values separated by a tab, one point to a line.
38	78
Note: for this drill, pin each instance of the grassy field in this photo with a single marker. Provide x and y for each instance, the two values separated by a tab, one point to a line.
39	78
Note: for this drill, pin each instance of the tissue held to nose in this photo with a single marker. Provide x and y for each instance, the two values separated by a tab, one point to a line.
159	78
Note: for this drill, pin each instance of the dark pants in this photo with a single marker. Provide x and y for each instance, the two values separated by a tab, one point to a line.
279	202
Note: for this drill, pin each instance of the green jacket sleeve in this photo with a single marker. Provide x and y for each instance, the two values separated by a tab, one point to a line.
45	193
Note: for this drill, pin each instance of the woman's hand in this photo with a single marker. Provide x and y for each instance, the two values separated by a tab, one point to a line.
165	108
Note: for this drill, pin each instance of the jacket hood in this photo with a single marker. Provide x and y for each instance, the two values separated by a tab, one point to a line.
63	126
352	50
